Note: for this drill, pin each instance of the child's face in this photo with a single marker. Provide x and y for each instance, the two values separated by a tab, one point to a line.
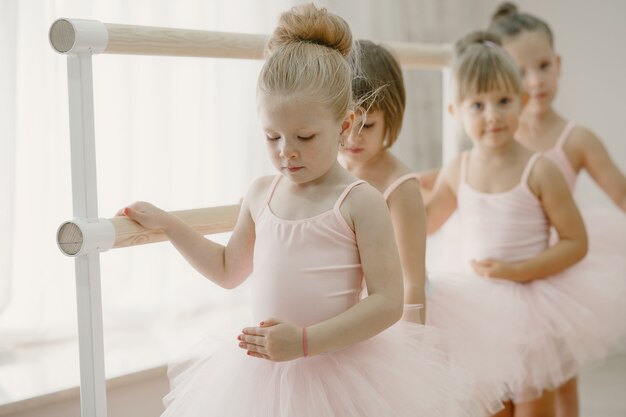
366	138
302	136
490	119
540	68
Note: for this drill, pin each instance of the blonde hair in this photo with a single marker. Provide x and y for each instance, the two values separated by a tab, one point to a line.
308	55
508	22
482	65
377	84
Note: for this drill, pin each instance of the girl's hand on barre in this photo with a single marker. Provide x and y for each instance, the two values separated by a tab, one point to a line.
492	268
146	214
273	340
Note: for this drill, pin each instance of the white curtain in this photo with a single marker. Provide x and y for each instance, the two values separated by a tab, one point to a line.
8	11
179	132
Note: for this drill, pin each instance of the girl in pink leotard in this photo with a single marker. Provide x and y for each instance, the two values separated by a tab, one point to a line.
530	41
308	238
508	198
379	87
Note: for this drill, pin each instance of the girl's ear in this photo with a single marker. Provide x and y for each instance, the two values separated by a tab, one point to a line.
346	125
558	65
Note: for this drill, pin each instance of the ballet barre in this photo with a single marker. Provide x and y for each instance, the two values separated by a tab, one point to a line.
74	36
80	237
86	235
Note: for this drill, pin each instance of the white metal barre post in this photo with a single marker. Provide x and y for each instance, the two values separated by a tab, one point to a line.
85	206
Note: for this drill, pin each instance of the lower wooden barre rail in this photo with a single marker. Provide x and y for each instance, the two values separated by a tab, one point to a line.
206	221
79	236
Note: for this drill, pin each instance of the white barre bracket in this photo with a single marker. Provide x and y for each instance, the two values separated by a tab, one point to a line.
76	36
82	237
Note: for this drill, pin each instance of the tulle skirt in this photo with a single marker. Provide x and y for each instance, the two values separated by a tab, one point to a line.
529	337
403	371
599	280
480	326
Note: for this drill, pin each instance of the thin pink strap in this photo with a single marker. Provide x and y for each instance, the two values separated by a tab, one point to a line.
345	193
271	190
397	183
529	167
564	134
268	197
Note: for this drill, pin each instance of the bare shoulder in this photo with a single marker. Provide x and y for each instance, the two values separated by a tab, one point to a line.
408	195
544	172
363	204
257	193
363	194
583	140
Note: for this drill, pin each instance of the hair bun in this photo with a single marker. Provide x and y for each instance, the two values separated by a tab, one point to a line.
504	10
307	23
479	37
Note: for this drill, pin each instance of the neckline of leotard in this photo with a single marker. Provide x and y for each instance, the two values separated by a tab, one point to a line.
334	210
523	182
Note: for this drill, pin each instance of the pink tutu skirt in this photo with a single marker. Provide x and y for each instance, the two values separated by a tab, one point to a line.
526	337
443	248
403	371
480	330
599	280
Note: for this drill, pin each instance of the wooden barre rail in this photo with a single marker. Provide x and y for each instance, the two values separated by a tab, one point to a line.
79	236
143	40
70	36
206	221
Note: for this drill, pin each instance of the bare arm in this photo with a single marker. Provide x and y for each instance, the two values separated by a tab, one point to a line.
442	202
548	183
427	181
227	266
602	169
383	276
409	224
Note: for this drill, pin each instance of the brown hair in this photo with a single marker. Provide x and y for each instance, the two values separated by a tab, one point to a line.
378	85
508	22
482	65
308	55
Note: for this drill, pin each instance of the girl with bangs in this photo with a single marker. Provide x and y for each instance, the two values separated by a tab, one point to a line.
508	199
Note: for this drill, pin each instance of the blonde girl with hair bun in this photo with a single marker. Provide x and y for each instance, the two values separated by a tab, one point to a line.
308	238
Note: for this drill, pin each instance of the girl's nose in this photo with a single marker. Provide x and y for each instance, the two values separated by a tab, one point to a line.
491	113
354	137
532	79
287	150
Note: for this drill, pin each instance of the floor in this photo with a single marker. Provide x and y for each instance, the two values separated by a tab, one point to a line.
603	389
